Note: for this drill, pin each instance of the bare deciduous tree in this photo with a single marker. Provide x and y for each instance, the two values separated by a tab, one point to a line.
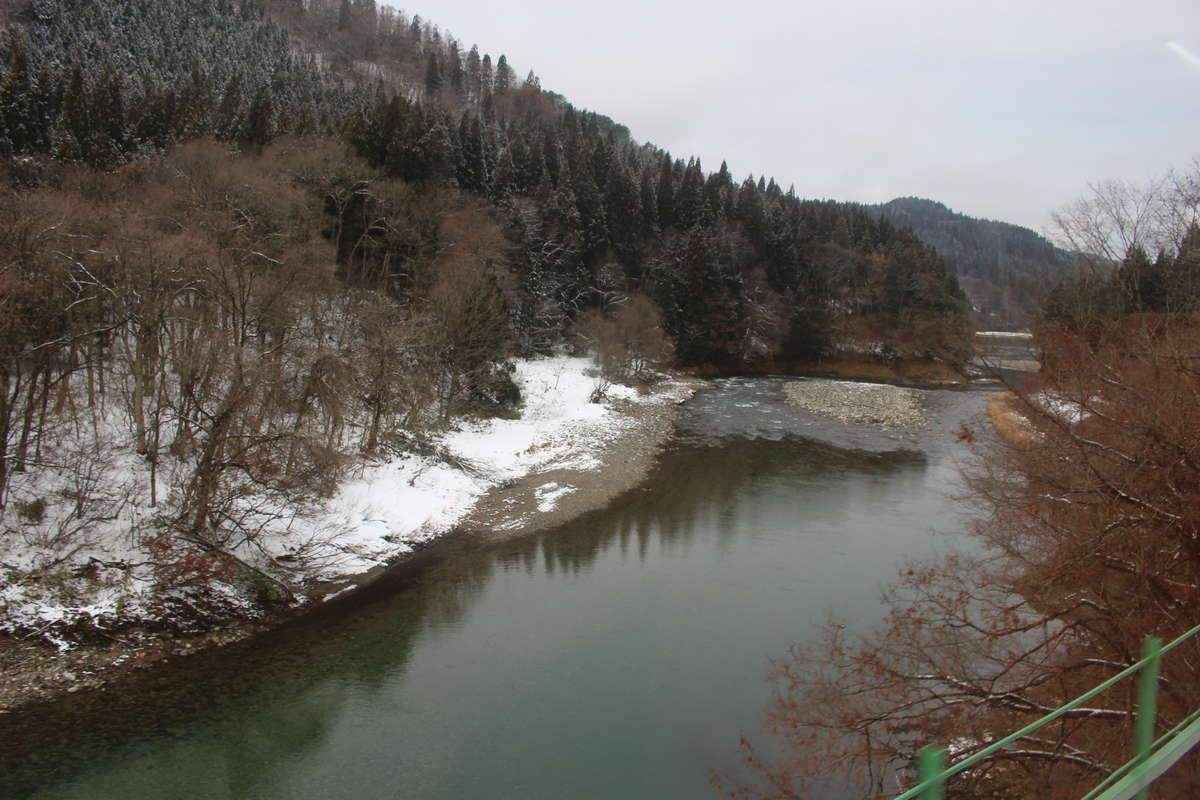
1090	538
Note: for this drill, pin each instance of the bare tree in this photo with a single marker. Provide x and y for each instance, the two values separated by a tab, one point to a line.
630	343
1115	216
1090	544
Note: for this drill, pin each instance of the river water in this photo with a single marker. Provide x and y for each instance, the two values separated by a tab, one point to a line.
621	655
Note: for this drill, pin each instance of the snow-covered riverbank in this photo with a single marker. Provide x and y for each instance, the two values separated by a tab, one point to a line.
106	584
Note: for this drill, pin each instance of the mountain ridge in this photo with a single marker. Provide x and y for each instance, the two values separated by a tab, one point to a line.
1005	268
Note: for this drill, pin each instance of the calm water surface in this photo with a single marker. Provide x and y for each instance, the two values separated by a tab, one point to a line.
619	656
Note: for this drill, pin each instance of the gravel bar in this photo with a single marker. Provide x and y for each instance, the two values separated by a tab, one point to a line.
861	403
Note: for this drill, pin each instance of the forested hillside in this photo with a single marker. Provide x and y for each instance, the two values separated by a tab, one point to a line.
740	269
1004	269
248	245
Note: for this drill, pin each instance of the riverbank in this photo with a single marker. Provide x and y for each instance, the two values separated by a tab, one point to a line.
564	456
925	373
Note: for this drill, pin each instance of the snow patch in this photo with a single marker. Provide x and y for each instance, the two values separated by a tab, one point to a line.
1005	334
549	494
1059	407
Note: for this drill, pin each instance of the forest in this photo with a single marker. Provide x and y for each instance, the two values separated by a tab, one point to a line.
1005	269
248	246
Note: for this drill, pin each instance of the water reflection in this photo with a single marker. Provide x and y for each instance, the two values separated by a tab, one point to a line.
635	637
718	488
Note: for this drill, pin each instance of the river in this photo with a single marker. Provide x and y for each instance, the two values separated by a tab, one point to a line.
621	655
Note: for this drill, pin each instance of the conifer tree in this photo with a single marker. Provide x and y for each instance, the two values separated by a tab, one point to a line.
77	118
504	75
433	76
473	174
666	192
486	74
228	123
259	126
689	200
456	75
16	114
474	71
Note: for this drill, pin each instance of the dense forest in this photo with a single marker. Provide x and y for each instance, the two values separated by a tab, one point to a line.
248	245
1004	269
741	270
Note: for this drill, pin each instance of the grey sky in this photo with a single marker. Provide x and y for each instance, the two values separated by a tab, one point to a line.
998	109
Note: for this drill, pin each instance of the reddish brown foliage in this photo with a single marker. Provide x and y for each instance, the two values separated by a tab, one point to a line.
1092	542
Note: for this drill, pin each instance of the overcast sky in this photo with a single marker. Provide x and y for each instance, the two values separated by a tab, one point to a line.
998	109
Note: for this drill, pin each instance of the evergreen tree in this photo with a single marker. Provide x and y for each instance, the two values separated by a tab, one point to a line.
714	189
228	123
433	76
504	76
649	204
485	75
456	74
259	126
474	72
20	127
689	200
191	116
110	112
504	176
667	216
473	173
622	203
76	120
592	219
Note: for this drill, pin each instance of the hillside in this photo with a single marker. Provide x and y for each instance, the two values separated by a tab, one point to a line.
250	250
593	215
1005	269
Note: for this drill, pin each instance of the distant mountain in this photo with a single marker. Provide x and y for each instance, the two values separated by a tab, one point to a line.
1005	269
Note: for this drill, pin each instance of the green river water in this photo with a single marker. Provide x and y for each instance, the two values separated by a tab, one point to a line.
620	656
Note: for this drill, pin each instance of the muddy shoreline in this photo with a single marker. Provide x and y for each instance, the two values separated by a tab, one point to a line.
34	673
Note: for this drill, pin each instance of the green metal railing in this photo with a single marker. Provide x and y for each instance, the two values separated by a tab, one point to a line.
1151	757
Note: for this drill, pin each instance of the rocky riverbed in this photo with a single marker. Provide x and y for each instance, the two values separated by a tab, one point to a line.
860	403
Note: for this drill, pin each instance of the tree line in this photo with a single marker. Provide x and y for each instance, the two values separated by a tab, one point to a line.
741	270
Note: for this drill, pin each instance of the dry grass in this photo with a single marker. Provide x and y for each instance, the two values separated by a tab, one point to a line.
1009	422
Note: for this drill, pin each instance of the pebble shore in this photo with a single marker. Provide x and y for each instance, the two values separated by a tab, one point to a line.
861	403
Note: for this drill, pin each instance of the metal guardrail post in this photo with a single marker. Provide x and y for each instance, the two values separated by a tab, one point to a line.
930	762
1143	732
1150	759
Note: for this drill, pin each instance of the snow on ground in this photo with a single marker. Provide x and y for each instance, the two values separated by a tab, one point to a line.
1060	407
1005	334
389	507
103	573
548	495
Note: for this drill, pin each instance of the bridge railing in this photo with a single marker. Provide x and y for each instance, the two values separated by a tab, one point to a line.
1151	757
